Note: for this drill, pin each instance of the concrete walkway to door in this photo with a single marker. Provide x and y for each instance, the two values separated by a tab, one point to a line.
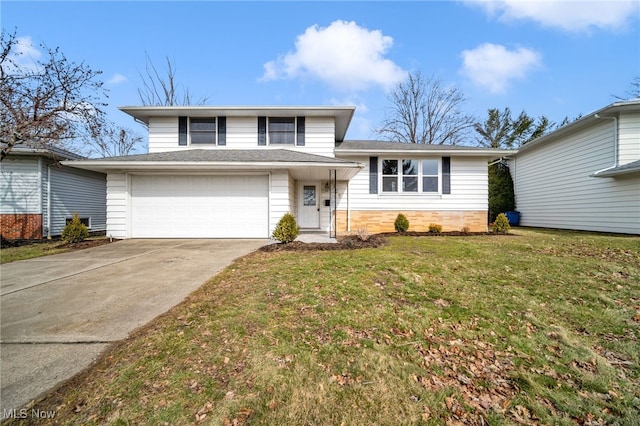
57	313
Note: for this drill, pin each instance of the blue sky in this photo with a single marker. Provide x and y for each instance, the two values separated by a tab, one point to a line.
548	58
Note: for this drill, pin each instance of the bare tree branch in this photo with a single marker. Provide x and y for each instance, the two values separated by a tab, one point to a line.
113	141
425	111
161	89
52	103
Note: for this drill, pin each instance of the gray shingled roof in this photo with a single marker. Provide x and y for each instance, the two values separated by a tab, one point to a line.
229	155
370	145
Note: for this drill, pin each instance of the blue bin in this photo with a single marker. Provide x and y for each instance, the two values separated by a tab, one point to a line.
514	218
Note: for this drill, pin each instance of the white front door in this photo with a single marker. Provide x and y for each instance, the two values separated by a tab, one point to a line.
309	205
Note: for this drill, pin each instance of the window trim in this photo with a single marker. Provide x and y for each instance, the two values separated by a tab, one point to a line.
400	176
299	131
85	220
184	131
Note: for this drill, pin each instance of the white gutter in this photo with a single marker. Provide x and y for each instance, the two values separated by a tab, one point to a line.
449	152
615	145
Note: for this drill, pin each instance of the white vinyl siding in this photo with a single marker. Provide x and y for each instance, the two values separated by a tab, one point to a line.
117	202
629	137
554	187
242	133
20	186
469	190
81	191
279	197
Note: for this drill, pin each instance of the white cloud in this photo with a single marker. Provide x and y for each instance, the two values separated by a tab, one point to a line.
24	54
343	55
568	15
117	79
495	67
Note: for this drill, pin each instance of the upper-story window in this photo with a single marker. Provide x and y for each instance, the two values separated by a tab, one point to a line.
202	131
281	131
410	175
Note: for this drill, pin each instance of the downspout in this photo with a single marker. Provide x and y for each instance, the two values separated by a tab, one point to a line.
49	201
330	203
335	206
615	144
348	206
40	201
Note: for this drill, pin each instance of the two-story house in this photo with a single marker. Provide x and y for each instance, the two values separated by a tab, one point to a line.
233	172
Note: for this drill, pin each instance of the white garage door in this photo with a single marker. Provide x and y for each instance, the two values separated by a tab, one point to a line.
200	206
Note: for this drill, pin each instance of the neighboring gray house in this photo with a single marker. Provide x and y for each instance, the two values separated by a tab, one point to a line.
583	176
38	194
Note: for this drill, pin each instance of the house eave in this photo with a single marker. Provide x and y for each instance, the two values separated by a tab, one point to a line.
612	110
485	154
348	170
342	114
611	173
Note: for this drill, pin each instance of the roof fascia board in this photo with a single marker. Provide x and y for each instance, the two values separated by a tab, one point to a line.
611	110
448	152
200	165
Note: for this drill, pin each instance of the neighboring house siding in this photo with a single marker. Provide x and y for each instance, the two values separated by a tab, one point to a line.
242	133
554	187
77	191
117	202
279	198
629	137
466	206
20	185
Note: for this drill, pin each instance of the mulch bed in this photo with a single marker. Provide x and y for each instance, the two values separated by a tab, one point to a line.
353	242
84	244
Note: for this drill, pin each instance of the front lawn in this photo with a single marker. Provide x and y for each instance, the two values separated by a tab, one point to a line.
539	327
45	248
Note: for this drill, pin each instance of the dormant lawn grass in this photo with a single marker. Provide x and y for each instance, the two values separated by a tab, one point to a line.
537	327
44	248
29	251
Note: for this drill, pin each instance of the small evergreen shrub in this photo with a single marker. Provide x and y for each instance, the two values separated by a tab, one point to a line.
501	224
402	223
287	229
434	228
75	231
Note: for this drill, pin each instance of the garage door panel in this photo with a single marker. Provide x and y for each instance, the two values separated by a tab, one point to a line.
200	206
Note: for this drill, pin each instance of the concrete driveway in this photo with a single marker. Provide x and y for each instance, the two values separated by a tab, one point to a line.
57	313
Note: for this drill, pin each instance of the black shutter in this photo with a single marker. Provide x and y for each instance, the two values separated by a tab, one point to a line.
446	175
262	130
300	131
373	175
222	130
182	130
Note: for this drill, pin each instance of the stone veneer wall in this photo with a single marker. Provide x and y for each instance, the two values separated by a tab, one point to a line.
378	221
21	226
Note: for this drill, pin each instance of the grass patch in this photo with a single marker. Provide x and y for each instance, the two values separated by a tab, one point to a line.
45	248
537	327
